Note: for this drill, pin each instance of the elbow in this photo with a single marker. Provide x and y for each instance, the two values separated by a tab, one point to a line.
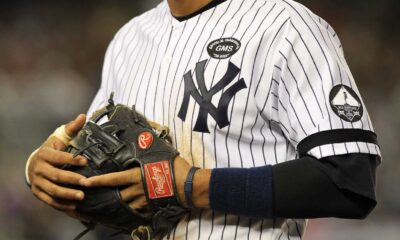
361	208
364	210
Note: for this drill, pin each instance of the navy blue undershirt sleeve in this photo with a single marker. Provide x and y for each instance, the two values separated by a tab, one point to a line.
337	186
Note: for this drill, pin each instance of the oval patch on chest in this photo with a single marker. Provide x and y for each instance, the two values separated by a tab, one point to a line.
223	48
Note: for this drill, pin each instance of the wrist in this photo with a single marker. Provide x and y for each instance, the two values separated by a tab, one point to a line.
200	185
200	194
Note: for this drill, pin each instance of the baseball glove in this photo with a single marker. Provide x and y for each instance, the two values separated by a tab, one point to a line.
127	140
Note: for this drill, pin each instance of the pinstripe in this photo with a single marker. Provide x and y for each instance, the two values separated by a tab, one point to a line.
352	124
251	143
122	47
298	89
212	225
264	65
287	114
152	71
305	74
169	66
128	60
341	81
201	213
158	76
145	67
276	152
316	67
263	144
294	110
111	66
223	229
298	230
334	47
248	234
237	224
187	225
280	235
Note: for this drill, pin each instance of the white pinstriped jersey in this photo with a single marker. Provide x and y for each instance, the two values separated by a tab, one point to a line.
239	85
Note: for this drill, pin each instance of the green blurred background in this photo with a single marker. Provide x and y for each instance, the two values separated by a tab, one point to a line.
51	55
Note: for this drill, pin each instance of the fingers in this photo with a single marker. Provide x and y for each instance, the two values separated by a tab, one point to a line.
132	192
138	203
54	203
59	176
57	144
114	179
73	127
56	157
59	192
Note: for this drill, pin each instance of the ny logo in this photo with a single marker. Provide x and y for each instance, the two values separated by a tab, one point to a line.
203	96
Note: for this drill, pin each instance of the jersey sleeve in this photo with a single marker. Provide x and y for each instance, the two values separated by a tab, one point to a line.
316	101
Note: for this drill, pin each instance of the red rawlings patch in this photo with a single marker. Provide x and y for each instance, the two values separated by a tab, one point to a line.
145	140
158	180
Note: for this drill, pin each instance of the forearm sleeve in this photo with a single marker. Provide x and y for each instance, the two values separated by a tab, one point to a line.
339	186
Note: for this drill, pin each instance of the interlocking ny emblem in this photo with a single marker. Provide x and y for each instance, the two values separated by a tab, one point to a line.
203	96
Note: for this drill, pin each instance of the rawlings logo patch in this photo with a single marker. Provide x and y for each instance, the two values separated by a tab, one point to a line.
145	140
158	180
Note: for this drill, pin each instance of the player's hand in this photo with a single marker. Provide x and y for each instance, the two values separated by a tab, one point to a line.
46	177
134	194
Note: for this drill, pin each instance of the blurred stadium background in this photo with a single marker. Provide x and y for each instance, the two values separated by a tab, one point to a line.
51	56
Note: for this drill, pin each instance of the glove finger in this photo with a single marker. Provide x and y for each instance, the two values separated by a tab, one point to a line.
56	157
61	176
127	177
44	197
56	191
130	193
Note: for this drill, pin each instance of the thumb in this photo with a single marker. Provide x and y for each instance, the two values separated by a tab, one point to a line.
73	127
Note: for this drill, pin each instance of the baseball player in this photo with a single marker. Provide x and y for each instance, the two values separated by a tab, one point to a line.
258	95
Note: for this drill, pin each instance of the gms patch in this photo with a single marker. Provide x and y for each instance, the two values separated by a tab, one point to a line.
223	48
346	103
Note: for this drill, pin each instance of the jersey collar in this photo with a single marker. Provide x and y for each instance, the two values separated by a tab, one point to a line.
180	21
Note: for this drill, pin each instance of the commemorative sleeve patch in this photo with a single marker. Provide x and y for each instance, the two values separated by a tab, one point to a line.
158	180
346	103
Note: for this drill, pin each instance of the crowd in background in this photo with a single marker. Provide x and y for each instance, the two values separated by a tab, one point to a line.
51	55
